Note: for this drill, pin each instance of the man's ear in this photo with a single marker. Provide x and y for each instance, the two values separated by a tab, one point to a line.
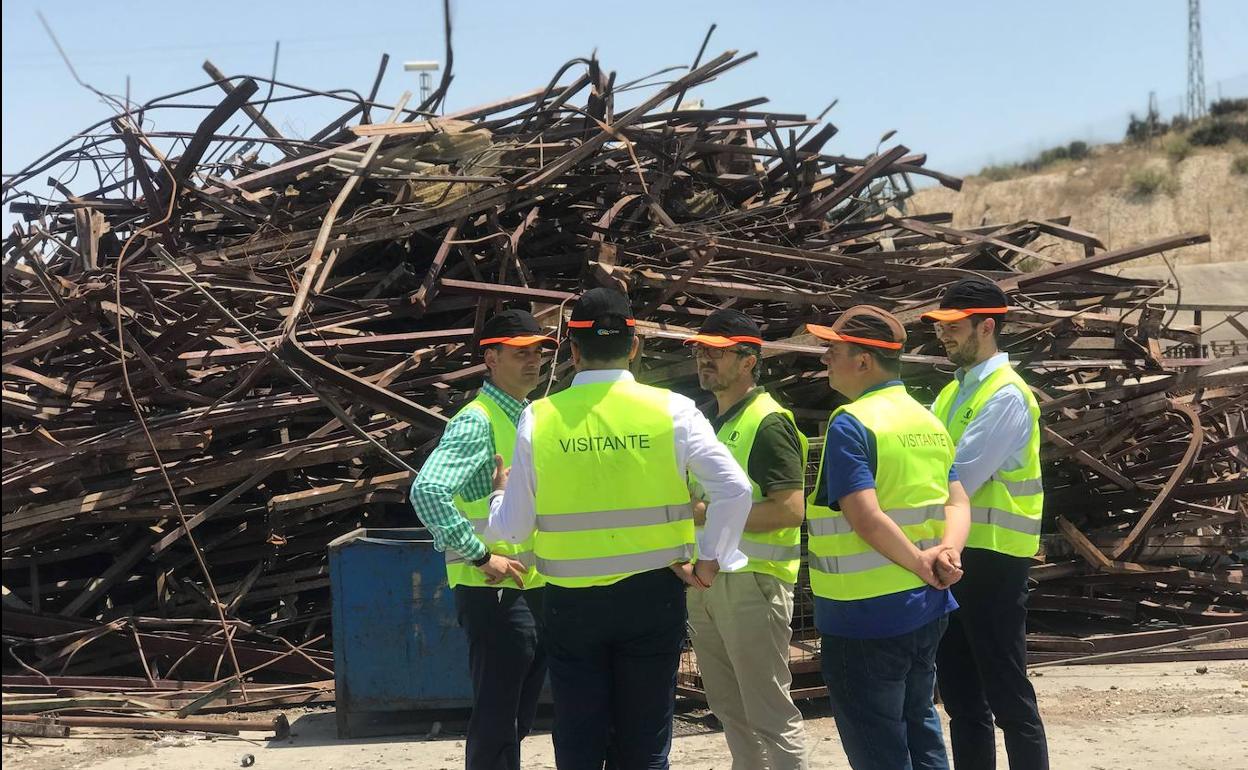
989	330
634	348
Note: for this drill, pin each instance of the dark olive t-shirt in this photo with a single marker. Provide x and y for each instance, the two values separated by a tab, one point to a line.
776	461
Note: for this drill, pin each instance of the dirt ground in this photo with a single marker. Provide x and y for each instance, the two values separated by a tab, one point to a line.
1125	717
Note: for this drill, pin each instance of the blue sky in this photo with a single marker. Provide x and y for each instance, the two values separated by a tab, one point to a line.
968	82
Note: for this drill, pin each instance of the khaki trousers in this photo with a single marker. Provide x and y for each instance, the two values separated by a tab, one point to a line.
740	631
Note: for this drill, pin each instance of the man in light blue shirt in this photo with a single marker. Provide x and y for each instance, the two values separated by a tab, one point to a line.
981	665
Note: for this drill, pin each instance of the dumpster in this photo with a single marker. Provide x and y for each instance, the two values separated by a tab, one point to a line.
398	648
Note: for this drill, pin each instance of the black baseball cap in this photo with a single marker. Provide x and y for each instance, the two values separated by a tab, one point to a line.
516	328
865	325
968	297
602	311
727	327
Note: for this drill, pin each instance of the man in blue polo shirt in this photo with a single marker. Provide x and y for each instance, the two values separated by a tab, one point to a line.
887	522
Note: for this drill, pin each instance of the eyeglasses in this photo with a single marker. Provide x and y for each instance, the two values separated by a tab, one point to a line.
715	354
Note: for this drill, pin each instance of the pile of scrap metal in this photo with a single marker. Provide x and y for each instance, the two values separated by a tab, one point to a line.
224	347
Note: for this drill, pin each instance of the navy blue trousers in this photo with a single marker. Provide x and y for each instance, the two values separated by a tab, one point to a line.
982	666
508	666
613	653
882	699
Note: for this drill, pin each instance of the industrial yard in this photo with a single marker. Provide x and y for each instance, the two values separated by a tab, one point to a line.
228	350
1121	717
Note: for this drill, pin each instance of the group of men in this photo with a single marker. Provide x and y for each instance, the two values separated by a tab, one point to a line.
584	530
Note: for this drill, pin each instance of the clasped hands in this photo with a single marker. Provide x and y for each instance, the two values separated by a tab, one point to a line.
940	566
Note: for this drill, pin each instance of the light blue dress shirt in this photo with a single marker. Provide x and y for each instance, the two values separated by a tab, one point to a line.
997	437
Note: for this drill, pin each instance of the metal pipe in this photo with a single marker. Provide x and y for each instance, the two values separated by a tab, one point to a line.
278	725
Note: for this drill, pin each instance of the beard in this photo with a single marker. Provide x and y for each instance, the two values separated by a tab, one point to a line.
965	354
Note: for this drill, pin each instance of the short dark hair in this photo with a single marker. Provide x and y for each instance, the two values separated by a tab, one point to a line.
977	319
757	352
889	361
485	348
602	347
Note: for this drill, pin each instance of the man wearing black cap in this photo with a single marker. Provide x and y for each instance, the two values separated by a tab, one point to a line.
886	520
994	419
741	625
599	473
497	588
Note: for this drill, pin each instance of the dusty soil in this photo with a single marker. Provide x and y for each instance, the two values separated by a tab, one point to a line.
1207	197
1127	717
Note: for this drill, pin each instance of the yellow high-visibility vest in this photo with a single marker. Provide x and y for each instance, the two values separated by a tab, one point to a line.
1005	511
611	501
913	456
778	552
460	572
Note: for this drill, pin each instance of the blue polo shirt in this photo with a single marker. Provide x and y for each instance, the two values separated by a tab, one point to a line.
849	466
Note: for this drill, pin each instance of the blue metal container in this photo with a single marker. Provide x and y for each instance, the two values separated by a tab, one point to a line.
397	644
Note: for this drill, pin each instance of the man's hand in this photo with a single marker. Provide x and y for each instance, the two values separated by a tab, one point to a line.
704	571
500	568
939	566
949	566
500	474
699	512
684	571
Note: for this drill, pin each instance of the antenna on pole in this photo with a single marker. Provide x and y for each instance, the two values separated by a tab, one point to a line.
426	70
1195	63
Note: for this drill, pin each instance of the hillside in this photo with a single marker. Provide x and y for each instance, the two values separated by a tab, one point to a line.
1205	191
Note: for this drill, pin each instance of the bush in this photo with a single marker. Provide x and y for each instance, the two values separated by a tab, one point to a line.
1228	107
1217	132
1145	128
999	173
1176	147
1146	182
1240	165
1074	151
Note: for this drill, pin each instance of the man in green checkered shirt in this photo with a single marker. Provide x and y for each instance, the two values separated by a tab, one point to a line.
497	589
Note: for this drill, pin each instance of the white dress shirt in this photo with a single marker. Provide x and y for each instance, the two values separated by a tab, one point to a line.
513	513
997	437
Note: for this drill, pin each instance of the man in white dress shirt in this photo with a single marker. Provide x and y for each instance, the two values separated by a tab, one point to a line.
993	417
599	473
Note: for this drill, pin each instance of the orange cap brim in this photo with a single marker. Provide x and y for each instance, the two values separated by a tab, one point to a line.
520	342
957	314
716	341
830	334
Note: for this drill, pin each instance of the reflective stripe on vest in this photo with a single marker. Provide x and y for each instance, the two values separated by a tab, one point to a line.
1027	525
913	456
611	500
563	571
1006	511
861	562
777	553
628	517
459	572
904	517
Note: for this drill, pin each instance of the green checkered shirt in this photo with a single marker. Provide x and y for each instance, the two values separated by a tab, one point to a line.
462	464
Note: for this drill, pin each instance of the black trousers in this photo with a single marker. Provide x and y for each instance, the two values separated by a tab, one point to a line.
981	666
508	666
613	652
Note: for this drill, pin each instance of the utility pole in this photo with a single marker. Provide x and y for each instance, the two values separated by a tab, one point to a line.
1195	63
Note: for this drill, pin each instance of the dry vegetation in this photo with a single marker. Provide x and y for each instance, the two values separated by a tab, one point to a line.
1125	193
